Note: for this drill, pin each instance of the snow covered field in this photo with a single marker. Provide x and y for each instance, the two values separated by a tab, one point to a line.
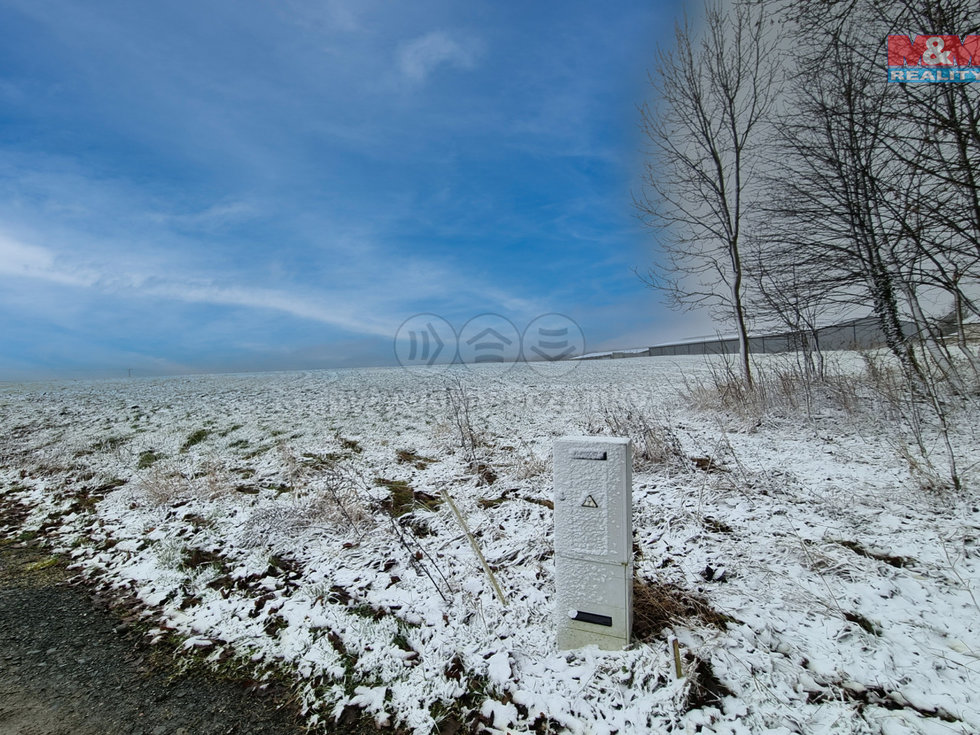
293	522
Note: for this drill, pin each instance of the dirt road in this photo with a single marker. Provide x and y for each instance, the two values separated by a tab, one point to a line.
64	669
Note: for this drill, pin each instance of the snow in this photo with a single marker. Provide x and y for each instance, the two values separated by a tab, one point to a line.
851	593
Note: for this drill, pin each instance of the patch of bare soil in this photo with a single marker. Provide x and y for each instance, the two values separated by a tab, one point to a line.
67	667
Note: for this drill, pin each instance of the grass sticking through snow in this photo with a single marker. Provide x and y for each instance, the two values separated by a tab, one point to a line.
196	438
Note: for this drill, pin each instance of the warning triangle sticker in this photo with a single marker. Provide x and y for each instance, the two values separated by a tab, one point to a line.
589	502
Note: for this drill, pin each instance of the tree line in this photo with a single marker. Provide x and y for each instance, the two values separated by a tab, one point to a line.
793	185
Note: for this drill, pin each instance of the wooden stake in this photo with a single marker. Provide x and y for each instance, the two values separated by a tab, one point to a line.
678	671
479	554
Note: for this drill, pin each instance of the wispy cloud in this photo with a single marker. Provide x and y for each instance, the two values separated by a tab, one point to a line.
418	58
325	310
23	260
31	261
329	15
216	215
372	304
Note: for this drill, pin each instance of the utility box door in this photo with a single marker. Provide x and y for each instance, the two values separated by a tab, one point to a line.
593	498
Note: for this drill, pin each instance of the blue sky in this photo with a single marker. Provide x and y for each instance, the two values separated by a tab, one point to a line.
254	185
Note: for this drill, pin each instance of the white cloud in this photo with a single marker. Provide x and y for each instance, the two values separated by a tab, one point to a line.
31	261
214	216
328	16
375	310
323	310
421	56
21	260
17	258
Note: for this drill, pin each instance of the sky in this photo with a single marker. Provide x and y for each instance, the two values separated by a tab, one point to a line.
242	185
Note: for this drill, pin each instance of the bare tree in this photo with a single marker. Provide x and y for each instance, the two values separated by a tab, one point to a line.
927	141
715	91
943	147
788	293
830	194
868	218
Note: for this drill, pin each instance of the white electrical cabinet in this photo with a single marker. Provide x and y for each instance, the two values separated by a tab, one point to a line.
593	541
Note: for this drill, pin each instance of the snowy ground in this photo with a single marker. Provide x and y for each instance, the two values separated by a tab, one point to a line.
251	517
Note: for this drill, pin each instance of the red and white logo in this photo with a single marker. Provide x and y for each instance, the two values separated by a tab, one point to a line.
932	59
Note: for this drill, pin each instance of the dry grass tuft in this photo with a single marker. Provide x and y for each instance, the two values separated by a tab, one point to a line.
164	486
410	456
654	442
658	605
